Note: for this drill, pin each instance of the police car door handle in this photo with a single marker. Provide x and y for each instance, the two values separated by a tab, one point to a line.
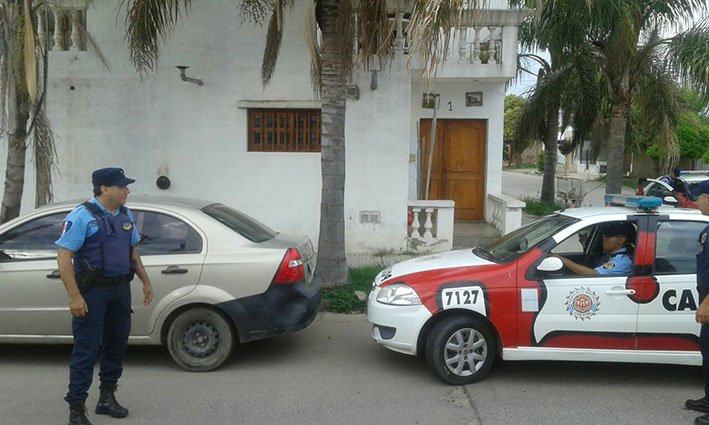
54	275
174	270
620	292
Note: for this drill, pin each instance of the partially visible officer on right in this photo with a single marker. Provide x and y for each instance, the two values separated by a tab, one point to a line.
99	238
702	316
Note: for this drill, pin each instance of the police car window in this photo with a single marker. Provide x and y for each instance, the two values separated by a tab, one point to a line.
33	240
676	246
577	243
161	234
515	244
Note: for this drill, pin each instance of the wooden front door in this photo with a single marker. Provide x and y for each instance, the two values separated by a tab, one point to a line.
458	167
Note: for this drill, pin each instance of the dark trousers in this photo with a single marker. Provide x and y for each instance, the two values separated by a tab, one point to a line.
704	344
106	327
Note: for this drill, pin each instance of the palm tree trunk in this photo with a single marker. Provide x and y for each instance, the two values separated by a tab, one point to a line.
550	153
18	114
331	263
616	147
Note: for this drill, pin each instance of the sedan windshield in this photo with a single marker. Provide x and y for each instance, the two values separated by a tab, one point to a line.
239	222
517	243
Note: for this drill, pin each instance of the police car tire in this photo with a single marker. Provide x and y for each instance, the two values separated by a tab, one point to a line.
200	340
440	335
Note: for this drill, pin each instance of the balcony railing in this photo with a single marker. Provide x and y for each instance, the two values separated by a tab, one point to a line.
430	225
61	26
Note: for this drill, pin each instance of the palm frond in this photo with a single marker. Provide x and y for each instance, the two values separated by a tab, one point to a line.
44	155
273	44
345	37
310	30
375	33
30	58
148	24
688	56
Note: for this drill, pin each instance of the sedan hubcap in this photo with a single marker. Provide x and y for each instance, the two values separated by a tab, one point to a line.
465	352
200	339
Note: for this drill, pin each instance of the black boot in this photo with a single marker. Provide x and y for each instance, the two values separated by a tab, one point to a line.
107	404
77	414
700	405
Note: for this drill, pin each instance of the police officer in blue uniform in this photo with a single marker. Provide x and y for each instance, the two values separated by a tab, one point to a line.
97	259
702	315
672	176
616	260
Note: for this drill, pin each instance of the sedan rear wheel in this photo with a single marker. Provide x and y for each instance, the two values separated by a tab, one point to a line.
200	340
460	350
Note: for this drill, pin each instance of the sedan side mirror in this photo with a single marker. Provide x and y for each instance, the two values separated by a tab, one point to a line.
550	264
670	200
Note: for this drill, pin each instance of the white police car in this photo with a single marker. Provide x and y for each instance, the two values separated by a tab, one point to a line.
515	300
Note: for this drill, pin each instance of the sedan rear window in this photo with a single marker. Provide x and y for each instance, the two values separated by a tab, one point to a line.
239	222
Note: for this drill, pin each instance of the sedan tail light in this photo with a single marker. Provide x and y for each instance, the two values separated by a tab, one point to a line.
291	268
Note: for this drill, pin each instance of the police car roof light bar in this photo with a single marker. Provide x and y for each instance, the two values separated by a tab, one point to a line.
641	202
695	172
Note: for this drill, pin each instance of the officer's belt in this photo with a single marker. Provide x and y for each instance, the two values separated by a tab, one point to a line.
112	280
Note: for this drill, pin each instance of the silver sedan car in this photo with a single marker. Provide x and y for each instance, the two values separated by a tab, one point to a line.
219	278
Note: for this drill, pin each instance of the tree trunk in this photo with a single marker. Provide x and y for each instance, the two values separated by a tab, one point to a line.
331	262
18	116
550	153
517	155
616	147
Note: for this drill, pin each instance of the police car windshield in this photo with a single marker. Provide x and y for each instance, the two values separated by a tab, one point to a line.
517	243
239	222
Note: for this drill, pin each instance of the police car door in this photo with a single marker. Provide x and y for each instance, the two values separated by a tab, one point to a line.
591	312
666	320
172	250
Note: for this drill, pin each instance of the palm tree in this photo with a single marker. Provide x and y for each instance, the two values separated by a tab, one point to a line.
149	23
627	56
22	105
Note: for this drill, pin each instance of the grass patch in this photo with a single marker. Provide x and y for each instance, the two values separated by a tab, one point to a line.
342	299
541	208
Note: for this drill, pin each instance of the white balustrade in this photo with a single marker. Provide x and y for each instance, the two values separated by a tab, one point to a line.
504	212
436	219
59	26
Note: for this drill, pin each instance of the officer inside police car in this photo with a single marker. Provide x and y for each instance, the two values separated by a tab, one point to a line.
702	316
616	261
100	237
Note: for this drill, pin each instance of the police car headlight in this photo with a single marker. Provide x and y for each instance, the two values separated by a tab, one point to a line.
398	294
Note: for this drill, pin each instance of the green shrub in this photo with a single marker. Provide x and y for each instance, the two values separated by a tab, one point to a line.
540	208
540	162
342	299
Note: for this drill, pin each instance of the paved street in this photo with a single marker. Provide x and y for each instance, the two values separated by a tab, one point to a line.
520	185
333	373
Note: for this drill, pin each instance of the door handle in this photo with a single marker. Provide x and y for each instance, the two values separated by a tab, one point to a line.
620	292
174	270
54	275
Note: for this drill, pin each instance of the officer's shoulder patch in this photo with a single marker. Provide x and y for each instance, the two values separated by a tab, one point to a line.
704	238
66	226
609	265
127	226
93	223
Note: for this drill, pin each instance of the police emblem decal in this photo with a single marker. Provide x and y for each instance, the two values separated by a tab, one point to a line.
582	303
609	265
66	227
127	226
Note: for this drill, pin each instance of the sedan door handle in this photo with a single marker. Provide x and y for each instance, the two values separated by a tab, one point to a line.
174	270
54	275
620	292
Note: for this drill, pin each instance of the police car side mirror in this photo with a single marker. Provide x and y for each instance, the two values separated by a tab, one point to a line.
550	264
670	200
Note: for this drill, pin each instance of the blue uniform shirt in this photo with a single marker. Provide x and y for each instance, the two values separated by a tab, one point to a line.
80	224
703	260
617	264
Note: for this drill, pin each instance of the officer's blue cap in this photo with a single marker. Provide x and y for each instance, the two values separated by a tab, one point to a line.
618	229
701	189
677	170
110	177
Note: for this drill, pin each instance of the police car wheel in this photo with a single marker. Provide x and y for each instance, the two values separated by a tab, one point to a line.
200	340
460	350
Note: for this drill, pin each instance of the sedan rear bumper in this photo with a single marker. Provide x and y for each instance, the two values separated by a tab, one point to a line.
284	308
